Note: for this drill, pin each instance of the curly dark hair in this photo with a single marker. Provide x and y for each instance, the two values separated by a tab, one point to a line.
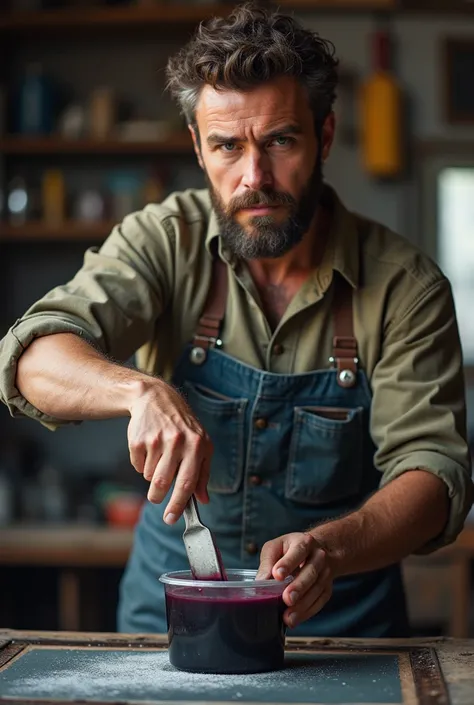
249	47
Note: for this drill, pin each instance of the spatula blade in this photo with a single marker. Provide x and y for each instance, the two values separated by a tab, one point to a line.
203	555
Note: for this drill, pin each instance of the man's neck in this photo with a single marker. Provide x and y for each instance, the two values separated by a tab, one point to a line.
301	260
278	280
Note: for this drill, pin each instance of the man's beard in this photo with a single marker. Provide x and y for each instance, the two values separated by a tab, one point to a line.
268	239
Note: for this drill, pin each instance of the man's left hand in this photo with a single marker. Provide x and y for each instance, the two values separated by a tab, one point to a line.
300	555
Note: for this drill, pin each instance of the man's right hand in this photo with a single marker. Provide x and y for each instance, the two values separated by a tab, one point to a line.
167	443
65	377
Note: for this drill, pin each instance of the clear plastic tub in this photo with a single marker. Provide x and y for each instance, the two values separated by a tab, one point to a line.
233	626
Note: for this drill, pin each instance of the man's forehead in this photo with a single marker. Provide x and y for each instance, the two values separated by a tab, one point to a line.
280	100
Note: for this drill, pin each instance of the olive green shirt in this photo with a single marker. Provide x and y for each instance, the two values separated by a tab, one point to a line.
145	288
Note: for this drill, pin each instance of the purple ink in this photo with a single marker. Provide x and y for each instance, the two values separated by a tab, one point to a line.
225	634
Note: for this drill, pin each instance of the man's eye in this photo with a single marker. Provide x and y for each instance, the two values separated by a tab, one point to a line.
281	141
228	147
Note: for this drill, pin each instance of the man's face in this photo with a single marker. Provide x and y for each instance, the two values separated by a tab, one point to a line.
263	164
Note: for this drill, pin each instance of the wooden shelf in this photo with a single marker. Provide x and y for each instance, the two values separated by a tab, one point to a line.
166	15
438	7
109	18
65	545
177	143
338	5
404	7
70	230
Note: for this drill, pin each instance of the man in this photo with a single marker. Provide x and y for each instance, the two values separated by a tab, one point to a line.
315	367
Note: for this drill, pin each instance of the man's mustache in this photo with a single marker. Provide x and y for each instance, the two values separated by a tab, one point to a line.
251	199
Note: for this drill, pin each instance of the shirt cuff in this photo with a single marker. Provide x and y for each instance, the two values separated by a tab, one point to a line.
460	491
12	346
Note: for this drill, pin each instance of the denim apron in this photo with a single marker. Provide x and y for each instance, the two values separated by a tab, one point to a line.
289	451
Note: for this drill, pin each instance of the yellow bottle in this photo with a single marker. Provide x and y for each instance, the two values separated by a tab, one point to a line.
381	116
54	197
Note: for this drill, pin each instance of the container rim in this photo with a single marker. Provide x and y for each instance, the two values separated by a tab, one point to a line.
248	578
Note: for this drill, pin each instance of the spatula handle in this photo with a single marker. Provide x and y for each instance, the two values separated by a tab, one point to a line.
191	514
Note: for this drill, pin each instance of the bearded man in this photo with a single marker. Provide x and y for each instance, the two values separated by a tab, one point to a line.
299	367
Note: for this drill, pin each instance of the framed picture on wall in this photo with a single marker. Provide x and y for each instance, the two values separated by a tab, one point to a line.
458	80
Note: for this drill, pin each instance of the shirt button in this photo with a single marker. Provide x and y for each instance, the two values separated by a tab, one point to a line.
251	548
255	480
278	349
261	423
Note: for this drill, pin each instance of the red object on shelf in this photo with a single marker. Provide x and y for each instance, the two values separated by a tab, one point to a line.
123	510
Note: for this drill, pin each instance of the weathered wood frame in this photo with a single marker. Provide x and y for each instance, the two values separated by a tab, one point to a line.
421	677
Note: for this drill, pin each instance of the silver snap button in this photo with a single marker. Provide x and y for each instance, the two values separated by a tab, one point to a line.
347	377
197	356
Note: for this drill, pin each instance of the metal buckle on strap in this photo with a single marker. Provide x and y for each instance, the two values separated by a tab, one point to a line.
198	353
216	342
332	360
346	371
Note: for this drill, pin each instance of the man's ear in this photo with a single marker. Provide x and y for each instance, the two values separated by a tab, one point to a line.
327	135
197	147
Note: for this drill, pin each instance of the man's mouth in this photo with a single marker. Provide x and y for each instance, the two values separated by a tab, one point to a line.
260	209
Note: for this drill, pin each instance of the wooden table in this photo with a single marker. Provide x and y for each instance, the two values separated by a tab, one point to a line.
441	671
439	583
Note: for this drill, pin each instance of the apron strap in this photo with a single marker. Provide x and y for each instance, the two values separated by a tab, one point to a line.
344	357
209	326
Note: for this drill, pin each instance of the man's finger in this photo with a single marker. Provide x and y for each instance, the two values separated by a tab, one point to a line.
304	604
293	618
311	573
271	552
297	553
298	600
184	486
153	457
138	456
201	487
164	474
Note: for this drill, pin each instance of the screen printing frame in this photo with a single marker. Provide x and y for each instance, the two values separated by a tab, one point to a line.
422	681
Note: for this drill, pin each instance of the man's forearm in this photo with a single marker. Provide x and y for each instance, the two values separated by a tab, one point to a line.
65	377
397	520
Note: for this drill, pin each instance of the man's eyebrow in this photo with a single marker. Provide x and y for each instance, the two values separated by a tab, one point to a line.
285	130
215	138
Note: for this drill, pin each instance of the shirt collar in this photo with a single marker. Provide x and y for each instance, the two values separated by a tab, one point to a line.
342	251
213	239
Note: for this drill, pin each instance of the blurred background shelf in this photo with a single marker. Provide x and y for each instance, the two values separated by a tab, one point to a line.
177	143
69	230
65	545
335	5
166	15
78	19
78	555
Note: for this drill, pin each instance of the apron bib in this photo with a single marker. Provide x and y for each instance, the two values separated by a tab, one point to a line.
289	451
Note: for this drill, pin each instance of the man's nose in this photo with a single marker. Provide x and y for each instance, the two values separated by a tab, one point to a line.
257	174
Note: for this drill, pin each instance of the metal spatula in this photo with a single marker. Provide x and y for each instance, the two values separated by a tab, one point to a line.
203	555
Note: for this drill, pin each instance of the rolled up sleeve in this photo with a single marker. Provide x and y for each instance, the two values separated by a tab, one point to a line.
418	418
112	302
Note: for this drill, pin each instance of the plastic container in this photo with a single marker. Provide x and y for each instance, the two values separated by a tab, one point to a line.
233	626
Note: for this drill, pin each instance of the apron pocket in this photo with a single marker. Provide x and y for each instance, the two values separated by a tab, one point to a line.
325	457
223	419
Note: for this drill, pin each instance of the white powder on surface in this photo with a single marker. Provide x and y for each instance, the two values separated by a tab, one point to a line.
94	674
